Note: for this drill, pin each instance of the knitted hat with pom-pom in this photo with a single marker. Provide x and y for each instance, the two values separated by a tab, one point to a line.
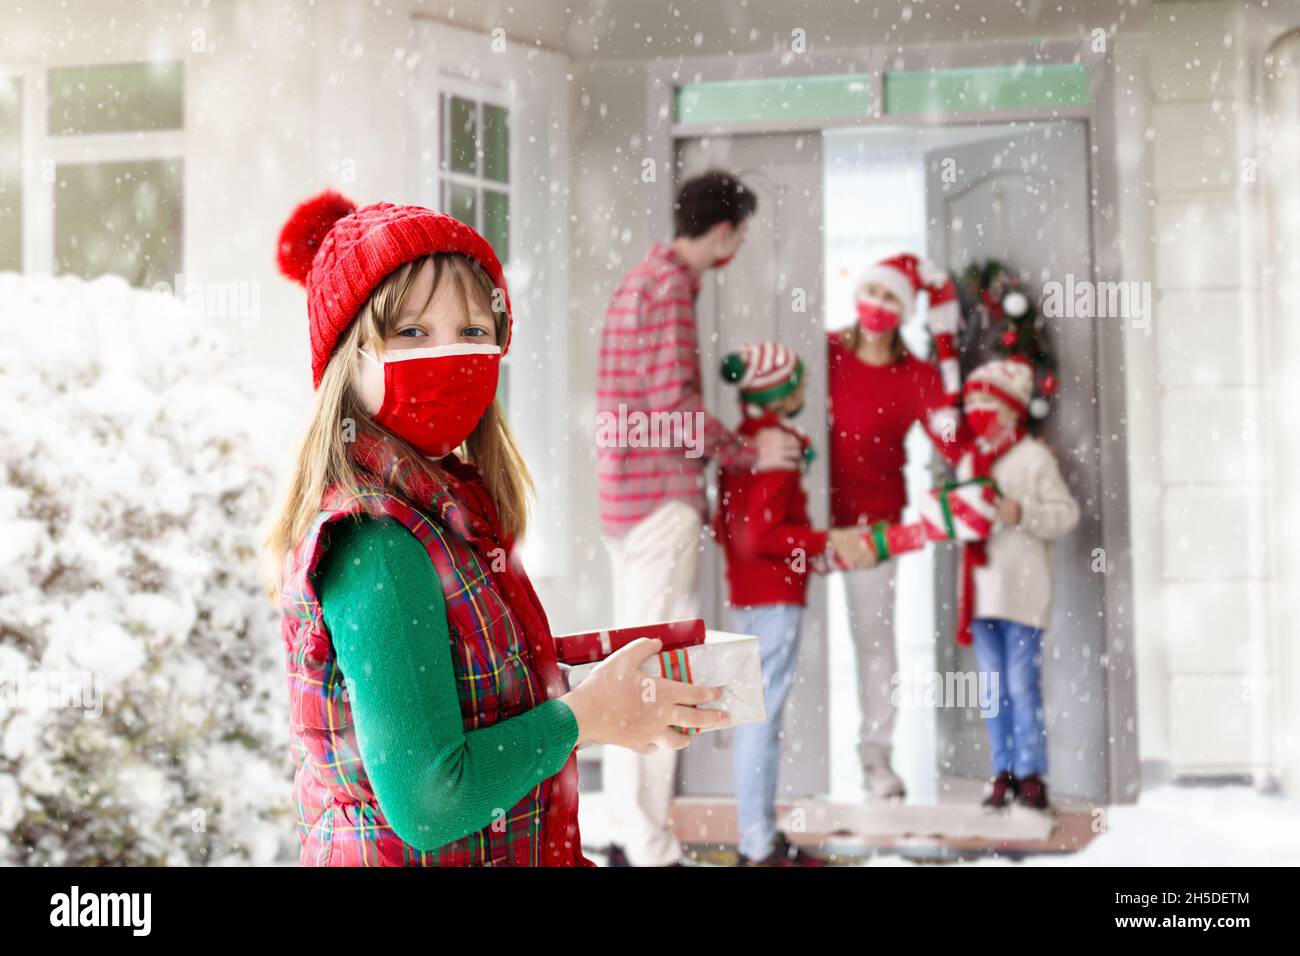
341	253
1010	380
764	372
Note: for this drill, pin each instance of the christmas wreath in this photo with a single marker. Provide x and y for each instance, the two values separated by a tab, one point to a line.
1001	320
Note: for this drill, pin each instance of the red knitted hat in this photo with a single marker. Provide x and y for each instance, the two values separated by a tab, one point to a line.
340	253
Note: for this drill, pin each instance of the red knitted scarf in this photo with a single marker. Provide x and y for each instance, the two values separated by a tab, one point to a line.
975	553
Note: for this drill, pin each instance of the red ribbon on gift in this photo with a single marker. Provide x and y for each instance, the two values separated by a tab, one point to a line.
587	646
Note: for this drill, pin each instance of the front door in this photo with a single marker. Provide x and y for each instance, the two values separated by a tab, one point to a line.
1022	198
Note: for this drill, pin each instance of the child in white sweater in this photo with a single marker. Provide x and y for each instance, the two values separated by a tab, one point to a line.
1006	598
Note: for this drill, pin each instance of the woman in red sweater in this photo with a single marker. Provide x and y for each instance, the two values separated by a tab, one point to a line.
877	391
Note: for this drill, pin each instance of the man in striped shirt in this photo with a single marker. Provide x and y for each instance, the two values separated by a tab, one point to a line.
654	437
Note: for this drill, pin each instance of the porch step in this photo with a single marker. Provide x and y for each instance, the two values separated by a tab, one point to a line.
920	830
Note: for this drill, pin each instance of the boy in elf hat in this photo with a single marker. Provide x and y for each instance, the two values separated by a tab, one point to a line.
763	526
1006	582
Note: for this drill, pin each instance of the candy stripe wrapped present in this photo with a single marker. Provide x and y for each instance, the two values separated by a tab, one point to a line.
726	660
960	510
890	540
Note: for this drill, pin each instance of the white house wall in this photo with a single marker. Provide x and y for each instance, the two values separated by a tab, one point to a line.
1206	685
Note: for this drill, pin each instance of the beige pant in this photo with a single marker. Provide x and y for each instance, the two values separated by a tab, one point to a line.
871	622
656	578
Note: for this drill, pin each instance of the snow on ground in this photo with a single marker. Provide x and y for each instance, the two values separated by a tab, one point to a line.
1200	825
1183	826
1169	826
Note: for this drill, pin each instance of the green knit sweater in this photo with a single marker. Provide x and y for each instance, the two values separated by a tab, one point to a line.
435	782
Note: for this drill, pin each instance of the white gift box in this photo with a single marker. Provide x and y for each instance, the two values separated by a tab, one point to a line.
726	660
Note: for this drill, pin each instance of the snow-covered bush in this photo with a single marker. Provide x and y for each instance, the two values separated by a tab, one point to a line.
136	467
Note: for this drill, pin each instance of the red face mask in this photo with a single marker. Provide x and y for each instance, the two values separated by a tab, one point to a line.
719	263
876	317
434	397
984	422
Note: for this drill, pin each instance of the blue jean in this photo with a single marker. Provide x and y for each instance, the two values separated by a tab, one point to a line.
1018	731
757	747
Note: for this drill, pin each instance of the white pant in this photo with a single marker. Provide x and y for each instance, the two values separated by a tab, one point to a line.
656	578
871	622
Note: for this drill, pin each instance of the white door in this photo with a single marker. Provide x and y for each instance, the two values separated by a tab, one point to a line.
772	290
1023	199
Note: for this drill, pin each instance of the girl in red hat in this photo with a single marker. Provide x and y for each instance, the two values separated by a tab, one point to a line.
428	717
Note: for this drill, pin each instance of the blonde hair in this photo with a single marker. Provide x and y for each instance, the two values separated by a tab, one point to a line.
323	458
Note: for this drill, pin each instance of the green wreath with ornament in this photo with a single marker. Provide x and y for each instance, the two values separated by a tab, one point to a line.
1001	320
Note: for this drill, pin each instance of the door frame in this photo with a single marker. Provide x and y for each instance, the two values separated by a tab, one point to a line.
800	775
1099	116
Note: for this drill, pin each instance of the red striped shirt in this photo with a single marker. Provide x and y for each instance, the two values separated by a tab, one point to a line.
648	373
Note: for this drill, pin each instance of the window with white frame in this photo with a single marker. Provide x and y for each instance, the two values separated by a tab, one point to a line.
475	166
493	126
92	170
11	173
474	172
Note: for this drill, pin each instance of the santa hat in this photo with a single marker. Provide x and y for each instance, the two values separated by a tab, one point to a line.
341	253
764	372
1010	379
907	275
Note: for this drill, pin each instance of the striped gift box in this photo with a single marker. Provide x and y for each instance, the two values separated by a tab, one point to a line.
960	511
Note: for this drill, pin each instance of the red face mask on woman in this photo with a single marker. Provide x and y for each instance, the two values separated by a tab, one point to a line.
435	397
877	317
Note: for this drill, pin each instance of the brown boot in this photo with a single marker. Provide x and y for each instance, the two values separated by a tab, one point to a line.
1005	786
1033	792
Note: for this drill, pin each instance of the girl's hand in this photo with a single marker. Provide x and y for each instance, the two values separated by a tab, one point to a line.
1009	511
620	704
852	548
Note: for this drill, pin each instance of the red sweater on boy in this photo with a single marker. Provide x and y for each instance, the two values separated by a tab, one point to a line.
763	527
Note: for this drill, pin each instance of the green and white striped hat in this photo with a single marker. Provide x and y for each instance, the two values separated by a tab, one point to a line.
763	371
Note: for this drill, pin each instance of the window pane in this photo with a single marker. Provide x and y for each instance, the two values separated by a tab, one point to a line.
123	218
496	222
11	174
459	201
496	143
122	97
462	138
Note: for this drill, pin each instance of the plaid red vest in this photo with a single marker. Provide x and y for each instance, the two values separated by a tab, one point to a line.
339	820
